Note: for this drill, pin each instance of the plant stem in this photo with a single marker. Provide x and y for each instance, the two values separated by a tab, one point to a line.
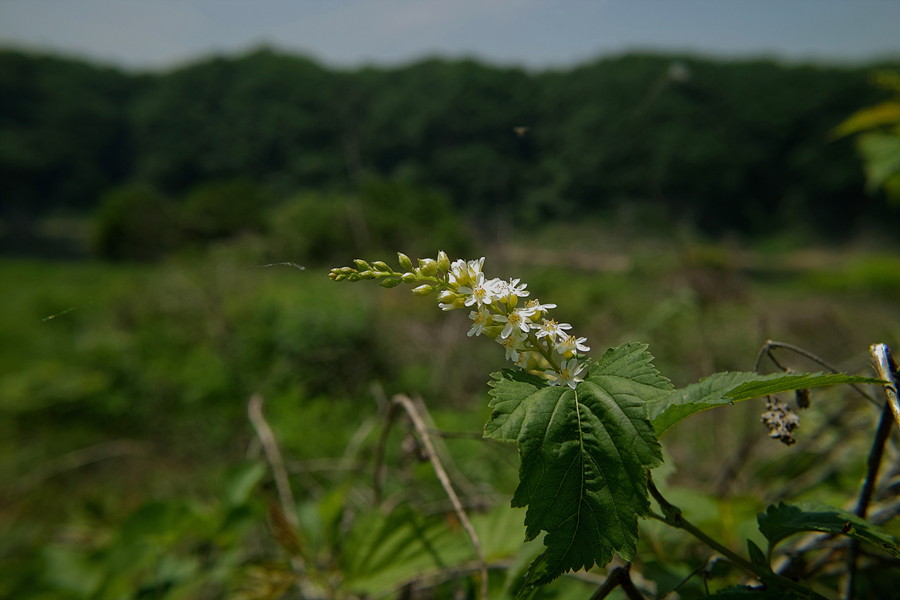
619	577
886	369
672	516
772	345
422	430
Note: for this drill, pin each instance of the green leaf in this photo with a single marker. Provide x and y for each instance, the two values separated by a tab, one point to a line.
731	387
783	520
881	152
586	454
886	113
241	481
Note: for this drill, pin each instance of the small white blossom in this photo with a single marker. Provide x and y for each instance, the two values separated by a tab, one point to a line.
517	319
550	328
465	273
570	345
568	374
513	344
480	319
481	292
535	304
459	273
524	357
512	288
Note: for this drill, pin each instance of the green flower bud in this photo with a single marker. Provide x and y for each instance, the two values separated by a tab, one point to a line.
353	277
382	266
422	290
443	261
368	275
446	296
389	282
408	277
361	264
428	266
405	262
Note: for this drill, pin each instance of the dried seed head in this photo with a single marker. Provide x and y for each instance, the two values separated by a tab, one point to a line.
780	420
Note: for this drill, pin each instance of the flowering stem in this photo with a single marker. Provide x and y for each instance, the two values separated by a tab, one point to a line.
544	350
526	332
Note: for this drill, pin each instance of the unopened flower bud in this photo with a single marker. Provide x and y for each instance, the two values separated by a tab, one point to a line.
361	264
458	302
389	282
408	277
422	290
368	275
405	262
382	266
446	296
428	267
443	261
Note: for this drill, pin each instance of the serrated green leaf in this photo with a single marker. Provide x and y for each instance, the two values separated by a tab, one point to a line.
731	387
586	454
783	520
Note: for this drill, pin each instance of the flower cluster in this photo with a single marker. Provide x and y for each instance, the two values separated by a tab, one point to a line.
531	339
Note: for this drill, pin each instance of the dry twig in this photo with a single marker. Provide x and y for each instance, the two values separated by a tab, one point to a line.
422	430
279	472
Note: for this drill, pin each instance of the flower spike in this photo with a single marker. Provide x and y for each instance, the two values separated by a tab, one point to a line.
527	334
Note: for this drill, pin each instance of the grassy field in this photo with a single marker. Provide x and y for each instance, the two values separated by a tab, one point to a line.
124	393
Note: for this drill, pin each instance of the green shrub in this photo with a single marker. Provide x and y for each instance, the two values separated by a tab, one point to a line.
135	222
221	209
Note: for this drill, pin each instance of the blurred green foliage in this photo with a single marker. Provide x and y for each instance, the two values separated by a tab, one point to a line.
139	223
726	146
135	222
124	440
879	139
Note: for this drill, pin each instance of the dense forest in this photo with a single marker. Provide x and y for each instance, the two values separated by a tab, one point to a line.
727	147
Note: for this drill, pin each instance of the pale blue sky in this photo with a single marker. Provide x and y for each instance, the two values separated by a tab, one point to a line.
150	34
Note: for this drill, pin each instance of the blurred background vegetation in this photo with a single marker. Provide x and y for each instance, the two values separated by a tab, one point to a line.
699	205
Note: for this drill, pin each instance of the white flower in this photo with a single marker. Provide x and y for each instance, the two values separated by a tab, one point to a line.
571	345
549	327
512	288
459	272
517	319
513	345
523	359
481	319
465	273
535	304
568	374
481	292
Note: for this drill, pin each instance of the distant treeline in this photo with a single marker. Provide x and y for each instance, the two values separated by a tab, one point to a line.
727	146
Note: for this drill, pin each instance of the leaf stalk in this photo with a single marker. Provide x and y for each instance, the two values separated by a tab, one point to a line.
672	516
